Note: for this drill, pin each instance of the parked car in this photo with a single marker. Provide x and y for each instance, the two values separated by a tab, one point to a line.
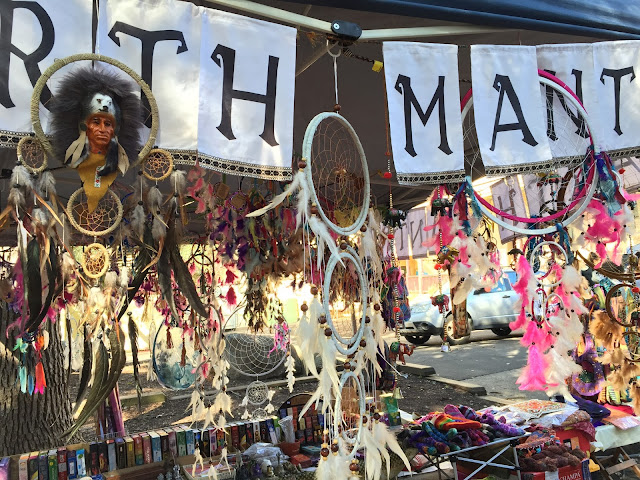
492	310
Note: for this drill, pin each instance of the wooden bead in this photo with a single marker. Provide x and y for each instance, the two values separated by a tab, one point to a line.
335	448
347	366
363	228
367	319
364	419
336	108
322	319
302	164
304	307
376	307
353	367
354	467
314	210
328	332
343	245
324	452
376	416
363	343
314	290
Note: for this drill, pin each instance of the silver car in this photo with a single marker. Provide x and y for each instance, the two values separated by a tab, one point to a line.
492	310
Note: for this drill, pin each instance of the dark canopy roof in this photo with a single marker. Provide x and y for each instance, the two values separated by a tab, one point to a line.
606	19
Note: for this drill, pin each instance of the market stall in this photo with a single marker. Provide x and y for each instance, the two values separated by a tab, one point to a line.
188	204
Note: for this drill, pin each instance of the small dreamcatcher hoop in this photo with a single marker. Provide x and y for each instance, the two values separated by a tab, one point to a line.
95	260
627	303
31	154
352	343
257	393
157	165
102	221
337	172
57	65
552	245
338	419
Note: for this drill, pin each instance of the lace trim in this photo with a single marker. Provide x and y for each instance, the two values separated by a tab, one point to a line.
11	139
189	157
435	178
537	167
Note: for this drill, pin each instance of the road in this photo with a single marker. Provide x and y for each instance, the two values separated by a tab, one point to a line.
488	360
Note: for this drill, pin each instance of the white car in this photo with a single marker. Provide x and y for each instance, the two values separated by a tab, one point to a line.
492	310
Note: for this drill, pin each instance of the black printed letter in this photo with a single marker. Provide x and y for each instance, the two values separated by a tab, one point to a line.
403	86
30	60
227	56
617	76
502	84
148	40
577	120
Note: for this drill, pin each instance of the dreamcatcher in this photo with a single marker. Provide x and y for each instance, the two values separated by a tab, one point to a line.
561	189
94	210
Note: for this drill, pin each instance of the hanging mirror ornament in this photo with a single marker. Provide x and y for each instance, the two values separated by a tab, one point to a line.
95	260
157	165
31	154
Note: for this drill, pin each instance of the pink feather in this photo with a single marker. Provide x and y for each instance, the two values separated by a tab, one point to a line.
525	275
601	250
532	376
230	277
520	322
231	296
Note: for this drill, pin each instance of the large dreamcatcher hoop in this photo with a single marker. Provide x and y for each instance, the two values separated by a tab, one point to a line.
352	343
31	154
62	62
337	172
566	212
252	355
103	220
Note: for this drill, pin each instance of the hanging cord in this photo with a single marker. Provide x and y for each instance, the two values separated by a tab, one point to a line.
335	67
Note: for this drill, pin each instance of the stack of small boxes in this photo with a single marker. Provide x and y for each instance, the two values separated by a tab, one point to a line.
155	446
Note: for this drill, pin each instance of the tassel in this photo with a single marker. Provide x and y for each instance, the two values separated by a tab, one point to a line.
73	156
41	381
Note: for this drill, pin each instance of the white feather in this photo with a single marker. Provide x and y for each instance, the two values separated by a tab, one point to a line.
373	459
158	229
323	392
302	204
245	415
290	364
47	184
278	199
16	197
137	220
369	251
123	280
111	280
21	177
40	217
392	443
245	401
571	279
154	199
321	232
462	291
178	180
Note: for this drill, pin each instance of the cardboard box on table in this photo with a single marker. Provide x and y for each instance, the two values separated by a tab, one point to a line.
573	438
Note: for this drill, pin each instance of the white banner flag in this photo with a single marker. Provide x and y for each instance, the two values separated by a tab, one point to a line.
615	66
247	83
508	198
424	111
566	129
508	108
39	32
160	40
411	236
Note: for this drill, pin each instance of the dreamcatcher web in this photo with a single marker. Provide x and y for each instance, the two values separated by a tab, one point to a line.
337	172
250	355
32	155
103	220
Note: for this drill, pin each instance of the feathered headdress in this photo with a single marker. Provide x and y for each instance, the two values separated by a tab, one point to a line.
77	97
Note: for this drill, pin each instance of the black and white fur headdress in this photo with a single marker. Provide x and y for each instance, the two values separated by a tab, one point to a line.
86	91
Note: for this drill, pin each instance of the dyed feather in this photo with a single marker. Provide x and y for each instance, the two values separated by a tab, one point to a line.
533	375
133	339
86	366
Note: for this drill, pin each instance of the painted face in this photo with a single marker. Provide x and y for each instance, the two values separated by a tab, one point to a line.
100	131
